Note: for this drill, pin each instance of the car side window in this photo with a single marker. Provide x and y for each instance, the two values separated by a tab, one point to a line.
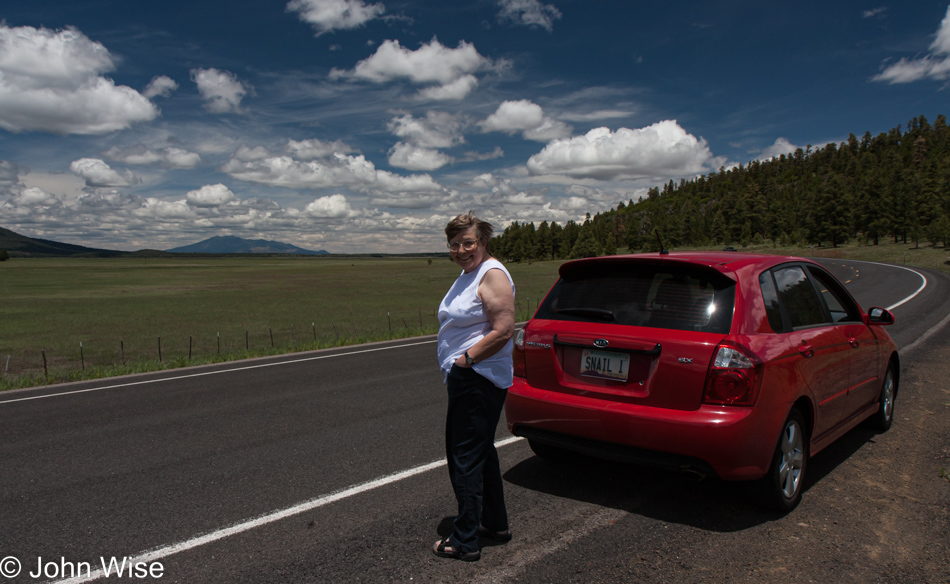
773	310
840	305
798	295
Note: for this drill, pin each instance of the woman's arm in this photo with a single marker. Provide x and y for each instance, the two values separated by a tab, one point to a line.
499	302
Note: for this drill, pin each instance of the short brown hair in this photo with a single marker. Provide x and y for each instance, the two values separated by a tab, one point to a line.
483	229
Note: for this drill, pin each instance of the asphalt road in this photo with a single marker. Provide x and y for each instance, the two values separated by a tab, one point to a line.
263	471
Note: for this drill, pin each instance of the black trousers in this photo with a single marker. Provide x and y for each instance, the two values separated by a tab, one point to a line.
474	409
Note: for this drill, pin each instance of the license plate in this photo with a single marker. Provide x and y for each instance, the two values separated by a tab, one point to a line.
605	365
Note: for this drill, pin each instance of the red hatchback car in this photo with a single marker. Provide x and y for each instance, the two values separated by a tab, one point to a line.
735	365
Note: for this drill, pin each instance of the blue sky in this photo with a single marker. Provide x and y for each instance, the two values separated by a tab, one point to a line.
357	126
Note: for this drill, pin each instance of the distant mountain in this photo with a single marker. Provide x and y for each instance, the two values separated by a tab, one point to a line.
22	246
232	244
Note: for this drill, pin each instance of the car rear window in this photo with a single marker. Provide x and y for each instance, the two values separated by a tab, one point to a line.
690	298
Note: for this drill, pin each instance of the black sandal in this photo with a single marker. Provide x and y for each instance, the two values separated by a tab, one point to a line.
444	550
499	536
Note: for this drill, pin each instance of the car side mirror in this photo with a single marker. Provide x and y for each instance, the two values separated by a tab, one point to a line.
880	316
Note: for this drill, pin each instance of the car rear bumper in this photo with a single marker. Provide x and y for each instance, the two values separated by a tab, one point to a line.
731	442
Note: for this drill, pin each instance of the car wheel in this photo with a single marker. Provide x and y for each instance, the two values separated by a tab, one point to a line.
881	421
551	453
783	484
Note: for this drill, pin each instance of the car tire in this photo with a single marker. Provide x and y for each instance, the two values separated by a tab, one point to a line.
881	421
783	485
550	452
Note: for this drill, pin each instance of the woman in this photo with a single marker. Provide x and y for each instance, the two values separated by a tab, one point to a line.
476	323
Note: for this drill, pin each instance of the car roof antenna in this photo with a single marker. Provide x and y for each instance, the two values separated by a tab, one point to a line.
663	250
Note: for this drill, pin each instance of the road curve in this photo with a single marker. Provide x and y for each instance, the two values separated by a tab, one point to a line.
282	469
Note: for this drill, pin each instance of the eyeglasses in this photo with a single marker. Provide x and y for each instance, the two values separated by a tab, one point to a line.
466	245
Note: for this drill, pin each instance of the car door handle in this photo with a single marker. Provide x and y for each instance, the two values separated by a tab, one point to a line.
854	342
806	350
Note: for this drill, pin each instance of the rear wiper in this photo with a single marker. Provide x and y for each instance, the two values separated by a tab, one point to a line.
598	313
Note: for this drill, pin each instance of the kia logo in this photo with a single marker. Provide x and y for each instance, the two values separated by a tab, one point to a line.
601	343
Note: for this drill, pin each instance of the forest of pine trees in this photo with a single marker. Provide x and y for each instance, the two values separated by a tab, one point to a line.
895	185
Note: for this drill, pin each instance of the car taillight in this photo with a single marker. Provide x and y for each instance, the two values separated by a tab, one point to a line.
734	378
517	356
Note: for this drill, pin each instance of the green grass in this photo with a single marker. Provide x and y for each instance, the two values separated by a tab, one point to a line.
121	307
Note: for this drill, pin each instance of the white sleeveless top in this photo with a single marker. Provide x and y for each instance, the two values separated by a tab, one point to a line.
463	322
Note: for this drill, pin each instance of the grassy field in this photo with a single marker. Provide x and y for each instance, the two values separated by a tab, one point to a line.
96	317
100	317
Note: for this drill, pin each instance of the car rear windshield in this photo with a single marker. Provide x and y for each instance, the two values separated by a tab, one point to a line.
692	298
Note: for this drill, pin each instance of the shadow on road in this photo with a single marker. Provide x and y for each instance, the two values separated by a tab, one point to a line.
710	504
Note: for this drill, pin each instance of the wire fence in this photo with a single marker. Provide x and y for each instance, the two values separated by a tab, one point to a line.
74	356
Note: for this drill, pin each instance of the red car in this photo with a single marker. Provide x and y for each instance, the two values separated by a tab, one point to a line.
735	365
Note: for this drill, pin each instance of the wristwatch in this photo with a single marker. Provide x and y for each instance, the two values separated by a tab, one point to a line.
468	360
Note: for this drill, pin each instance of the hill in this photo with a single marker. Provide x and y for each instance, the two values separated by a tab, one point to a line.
231	244
22	246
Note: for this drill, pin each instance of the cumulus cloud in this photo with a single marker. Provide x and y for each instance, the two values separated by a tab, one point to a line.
210	196
285	171
333	207
411	157
934	65
663	149
528	118
528	13
169	157
436	130
160	86
328	15
221	90
35	197
97	173
313	149
451	71
780	147
52	81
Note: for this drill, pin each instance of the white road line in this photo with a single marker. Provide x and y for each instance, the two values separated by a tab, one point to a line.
909	298
218	372
163	552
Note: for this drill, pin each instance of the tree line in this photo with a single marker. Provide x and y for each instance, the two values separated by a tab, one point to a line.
895	185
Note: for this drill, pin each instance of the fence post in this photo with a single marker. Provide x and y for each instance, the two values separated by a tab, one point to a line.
271	337
335	331
159	349
219	343
314	327
189	347
247	342
7	368
45	368
390	324
82	357
122	349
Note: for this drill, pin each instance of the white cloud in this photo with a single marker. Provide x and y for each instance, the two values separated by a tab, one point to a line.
313	149
663	149
284	171
52	81
168	157
329	15
454	90
210	196
781	146
935	65
528	118
221	90
523	198
529	13
160	86
334	207
97	173
35	197
436	130
411	157
450	70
